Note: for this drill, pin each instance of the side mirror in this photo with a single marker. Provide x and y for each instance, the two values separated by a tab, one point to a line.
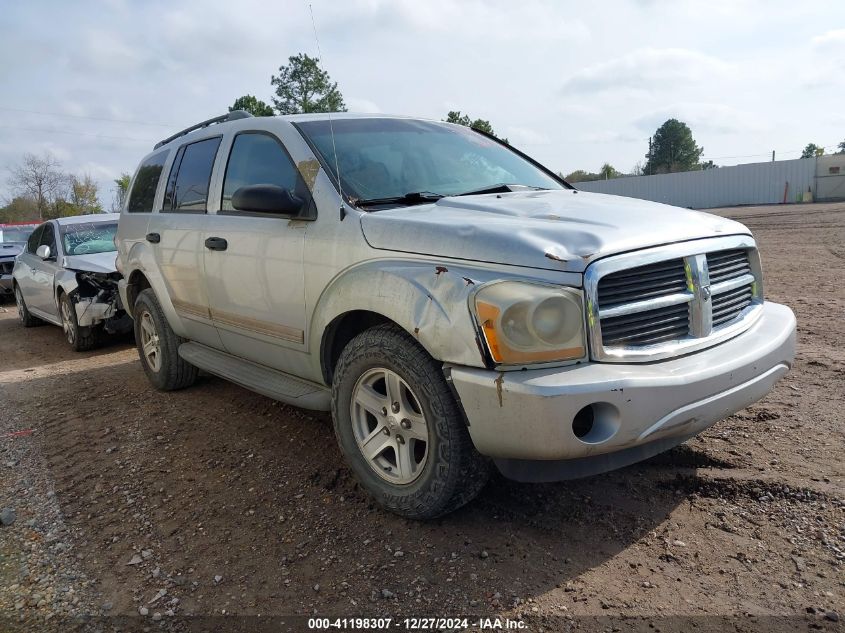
43	251
267	199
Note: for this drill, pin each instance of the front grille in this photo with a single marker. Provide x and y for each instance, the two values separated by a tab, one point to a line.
642	282
663	302
727	267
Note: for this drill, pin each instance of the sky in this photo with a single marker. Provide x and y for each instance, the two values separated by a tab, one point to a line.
574	84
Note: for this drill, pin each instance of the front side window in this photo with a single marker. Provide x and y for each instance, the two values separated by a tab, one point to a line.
143	191
259	159
89	238
384	158
34	239
188	191
48	238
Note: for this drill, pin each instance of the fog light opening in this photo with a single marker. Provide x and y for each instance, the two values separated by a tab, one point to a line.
596	423
582	424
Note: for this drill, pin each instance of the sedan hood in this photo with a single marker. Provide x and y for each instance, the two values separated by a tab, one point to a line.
556	230
10	249
96	263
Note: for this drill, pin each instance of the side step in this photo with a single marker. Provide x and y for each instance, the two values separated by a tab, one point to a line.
269	382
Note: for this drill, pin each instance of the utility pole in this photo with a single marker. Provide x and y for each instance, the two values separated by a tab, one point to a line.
773	155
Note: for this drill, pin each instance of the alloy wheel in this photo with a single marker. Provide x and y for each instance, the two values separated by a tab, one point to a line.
150	345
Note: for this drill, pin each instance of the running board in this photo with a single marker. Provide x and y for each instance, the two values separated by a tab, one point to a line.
268	382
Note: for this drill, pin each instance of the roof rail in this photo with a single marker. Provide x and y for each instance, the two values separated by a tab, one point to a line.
234	115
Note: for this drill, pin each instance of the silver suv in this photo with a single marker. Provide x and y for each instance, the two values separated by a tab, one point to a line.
454	303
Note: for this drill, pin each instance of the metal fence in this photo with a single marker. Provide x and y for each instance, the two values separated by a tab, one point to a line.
755	183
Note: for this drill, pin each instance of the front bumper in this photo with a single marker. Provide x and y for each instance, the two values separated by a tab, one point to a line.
524	419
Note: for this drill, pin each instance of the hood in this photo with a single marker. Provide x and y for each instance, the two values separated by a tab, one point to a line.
96	263
10	249
557	230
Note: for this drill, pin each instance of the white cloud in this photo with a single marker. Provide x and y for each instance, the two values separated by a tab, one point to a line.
647	69
717	118
364	106
519	136
830	39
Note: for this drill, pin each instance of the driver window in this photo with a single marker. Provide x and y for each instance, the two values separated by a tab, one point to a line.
260	159
34	239
48	238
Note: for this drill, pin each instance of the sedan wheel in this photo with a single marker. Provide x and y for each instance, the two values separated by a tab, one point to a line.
67	323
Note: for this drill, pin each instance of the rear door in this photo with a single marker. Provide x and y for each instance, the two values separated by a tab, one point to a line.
256	282
179	227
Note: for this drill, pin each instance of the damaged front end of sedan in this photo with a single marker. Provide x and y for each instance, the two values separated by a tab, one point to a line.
97	301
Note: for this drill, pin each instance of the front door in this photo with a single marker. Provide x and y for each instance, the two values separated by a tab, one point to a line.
41	295
254	262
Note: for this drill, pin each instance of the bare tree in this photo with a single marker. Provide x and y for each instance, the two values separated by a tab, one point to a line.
39	178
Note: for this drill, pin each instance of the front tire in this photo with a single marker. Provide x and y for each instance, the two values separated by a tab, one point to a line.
24	315
158	346
81	339
400	428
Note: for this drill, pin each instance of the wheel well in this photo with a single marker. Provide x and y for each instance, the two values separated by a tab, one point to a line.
137	283
342	330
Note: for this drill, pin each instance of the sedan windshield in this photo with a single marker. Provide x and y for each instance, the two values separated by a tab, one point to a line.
406	161
89	238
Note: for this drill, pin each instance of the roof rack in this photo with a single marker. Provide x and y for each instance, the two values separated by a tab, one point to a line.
234	115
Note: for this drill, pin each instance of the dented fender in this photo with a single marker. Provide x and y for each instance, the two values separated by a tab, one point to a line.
428	300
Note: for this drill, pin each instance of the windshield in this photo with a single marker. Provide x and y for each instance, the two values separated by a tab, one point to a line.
16	233
89	238
387	158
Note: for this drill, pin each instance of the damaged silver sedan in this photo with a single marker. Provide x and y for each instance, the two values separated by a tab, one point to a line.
66	276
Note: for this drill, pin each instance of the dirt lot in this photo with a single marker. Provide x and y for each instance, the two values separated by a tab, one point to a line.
233	504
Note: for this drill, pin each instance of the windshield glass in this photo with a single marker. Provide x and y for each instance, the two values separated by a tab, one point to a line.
18	233
88	238
385	158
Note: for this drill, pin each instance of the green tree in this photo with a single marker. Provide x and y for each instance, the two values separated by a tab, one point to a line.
302	86
20	209
607	172
841	147
84	197
671	149
812	150
121	188
709	164
253	105
455	116
579	175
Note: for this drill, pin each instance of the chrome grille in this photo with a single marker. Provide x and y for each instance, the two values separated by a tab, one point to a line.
667	301
642	282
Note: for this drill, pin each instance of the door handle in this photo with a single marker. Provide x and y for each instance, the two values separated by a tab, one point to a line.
153	238
216	244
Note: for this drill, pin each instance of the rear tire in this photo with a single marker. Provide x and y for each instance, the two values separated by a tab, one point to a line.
81	339
26	318
158	346
411	451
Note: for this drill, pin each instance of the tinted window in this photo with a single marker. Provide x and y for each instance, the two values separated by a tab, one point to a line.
190	192
259	159
170	190
146	182
48	238
34	239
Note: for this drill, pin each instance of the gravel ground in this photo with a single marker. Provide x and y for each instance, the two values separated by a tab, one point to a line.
215	508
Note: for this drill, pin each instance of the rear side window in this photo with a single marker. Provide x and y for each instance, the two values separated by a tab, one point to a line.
190	176
34	239
259	159
146	182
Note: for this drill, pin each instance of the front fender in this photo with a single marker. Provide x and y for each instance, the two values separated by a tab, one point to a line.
428	300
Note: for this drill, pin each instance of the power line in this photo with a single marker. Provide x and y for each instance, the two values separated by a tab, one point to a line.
116	138
89	118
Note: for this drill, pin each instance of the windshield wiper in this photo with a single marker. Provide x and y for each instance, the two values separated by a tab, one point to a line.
413	197
501	187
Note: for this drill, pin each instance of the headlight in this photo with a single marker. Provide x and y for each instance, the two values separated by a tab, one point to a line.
531	323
